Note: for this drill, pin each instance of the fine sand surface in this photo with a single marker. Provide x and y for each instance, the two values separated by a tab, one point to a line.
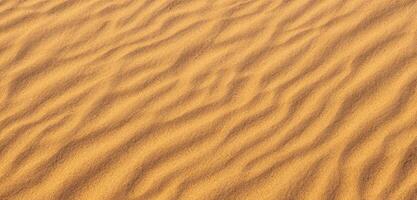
208	99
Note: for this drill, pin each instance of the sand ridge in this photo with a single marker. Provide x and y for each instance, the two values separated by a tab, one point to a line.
208	99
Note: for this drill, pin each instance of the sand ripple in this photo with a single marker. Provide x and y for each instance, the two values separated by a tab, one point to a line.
212	100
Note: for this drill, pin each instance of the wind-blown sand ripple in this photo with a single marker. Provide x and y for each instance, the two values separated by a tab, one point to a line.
193	99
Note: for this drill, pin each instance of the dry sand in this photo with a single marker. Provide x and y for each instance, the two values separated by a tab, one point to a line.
208	99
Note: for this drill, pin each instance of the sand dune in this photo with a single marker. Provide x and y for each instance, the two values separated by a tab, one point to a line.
208	100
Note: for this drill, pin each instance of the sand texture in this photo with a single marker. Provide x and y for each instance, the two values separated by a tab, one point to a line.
208	99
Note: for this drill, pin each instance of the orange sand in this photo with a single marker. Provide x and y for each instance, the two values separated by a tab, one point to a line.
208	99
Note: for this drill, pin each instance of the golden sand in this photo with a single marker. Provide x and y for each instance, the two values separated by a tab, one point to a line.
208	99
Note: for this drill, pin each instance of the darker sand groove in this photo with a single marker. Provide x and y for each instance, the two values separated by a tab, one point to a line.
285	66
368	176
62	6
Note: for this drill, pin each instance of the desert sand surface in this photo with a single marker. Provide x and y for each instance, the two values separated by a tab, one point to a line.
208	100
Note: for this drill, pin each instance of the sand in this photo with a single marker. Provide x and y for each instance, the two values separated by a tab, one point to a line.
208	99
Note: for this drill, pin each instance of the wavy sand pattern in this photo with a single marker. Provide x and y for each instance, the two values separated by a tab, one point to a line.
208	99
